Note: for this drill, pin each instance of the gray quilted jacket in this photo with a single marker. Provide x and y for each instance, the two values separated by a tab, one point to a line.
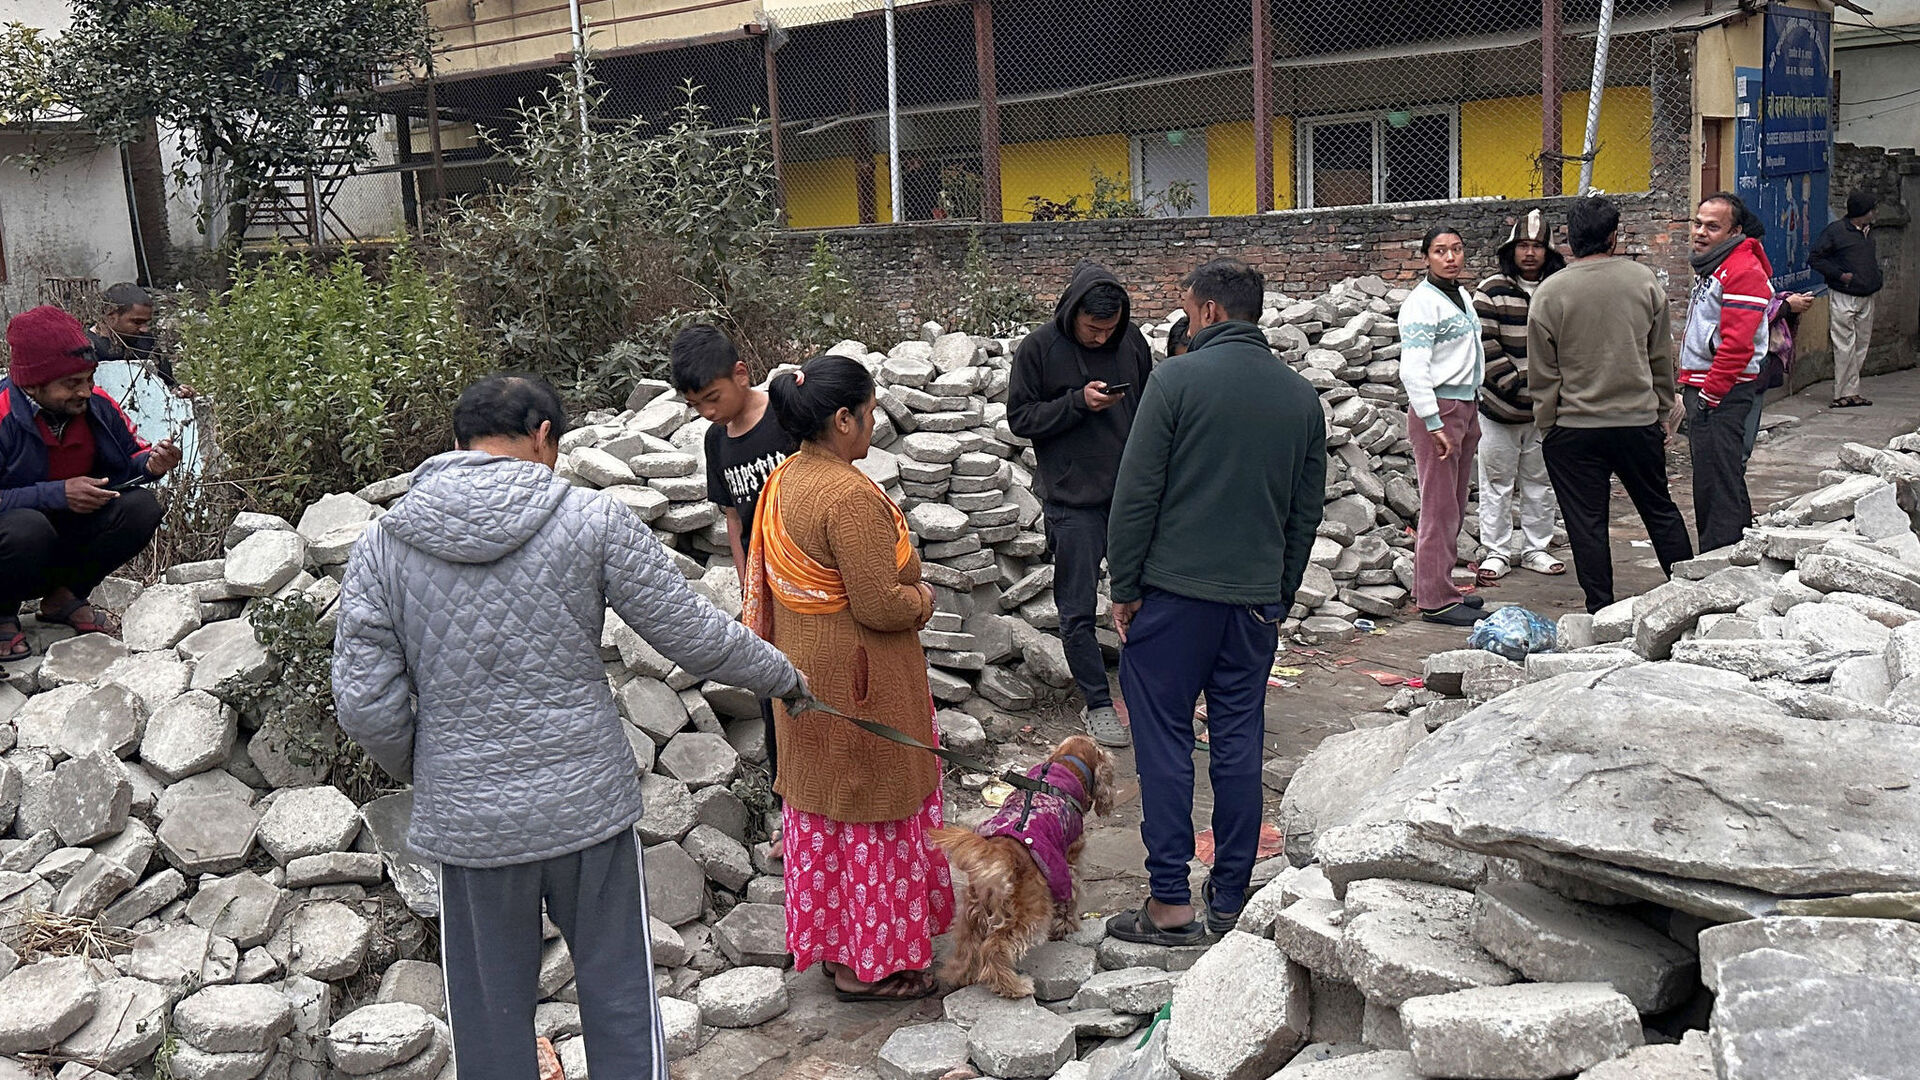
468	656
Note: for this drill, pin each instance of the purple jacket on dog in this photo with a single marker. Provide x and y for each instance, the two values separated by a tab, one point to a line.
1046	823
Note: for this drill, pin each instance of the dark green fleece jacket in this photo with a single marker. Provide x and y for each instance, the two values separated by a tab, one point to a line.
1224	476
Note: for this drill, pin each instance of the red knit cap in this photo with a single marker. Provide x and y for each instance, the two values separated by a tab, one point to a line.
47	344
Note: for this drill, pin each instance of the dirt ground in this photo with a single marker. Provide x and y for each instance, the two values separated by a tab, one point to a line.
823	1039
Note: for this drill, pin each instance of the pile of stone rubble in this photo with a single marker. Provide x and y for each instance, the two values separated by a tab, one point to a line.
1682	847
177	880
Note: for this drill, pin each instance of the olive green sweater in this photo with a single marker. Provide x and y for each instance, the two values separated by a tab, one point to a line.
1224	476
1599	347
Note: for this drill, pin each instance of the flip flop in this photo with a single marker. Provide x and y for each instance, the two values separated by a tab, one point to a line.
1135	927
924	986
14	646
63	616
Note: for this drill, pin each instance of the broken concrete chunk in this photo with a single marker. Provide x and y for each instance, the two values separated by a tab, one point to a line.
1530	1030
1551	939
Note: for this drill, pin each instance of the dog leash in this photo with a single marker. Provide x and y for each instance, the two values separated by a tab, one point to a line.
809	703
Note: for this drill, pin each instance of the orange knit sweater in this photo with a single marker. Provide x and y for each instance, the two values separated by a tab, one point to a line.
865	661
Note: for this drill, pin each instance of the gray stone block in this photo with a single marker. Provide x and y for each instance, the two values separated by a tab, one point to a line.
1549	938
308	821
1529	1030
922	1052
1026	1041
1240	1013
742	997
234	1019
46	1002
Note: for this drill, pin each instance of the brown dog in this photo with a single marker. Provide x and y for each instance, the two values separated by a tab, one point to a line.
1021	886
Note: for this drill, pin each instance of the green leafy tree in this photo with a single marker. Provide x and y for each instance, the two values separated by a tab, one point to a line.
253	88
26	74
613	236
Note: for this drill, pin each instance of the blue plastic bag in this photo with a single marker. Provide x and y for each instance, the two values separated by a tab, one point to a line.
1513	632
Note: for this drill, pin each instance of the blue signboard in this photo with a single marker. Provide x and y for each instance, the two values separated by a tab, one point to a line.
1784	139
1797	102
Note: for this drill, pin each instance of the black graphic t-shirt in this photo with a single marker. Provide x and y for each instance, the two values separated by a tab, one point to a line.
738	467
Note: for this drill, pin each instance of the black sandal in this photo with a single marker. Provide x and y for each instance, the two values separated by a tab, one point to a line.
1219	923
1134	926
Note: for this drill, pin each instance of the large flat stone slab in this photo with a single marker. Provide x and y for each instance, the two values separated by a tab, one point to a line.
1674	769
1332	783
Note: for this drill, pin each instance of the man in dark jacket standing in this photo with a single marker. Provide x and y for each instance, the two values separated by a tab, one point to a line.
72	508
1844	255
1219	496
1075	386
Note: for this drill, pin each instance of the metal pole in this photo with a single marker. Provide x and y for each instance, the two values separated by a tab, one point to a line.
579	59
1593	95
893	119
1262	112
433	142
1550	179
773	118
990	208
143	275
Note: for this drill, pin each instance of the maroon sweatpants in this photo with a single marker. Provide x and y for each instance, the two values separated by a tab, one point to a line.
1443	500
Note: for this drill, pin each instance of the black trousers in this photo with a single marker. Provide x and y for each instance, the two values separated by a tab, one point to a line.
1582	463
1078	535
42	550
1721	508
490	946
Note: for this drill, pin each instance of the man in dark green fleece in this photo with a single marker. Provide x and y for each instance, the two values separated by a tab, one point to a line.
1214	513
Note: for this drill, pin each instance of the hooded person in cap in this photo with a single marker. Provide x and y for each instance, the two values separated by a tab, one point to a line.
72	509
1511	460
1844	255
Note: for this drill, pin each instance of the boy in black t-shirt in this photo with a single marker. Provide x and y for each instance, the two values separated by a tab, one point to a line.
743	446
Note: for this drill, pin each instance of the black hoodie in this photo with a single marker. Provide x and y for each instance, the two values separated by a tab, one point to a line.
1078	449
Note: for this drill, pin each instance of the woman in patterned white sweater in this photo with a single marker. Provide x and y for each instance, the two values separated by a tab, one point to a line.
1442	364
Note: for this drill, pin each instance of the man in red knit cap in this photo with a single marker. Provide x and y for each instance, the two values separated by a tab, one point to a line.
72	504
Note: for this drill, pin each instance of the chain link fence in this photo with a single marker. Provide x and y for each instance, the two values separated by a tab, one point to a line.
1100	108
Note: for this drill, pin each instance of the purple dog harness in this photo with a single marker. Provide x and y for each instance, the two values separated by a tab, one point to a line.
1047	823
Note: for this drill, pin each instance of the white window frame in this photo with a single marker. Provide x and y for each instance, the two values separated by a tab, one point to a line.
1137	169
1378	119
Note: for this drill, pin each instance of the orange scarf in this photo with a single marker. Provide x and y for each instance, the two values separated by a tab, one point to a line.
779	571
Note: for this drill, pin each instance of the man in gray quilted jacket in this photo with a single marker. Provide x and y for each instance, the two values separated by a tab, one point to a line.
468	661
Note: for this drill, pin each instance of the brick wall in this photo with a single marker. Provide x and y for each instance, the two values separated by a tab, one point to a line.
1302	252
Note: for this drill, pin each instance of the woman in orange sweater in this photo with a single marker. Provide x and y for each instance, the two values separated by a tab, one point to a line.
834	581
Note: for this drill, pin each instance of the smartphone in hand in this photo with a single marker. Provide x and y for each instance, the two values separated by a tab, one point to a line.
1116	388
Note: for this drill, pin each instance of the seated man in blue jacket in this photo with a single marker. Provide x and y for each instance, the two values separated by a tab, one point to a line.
71	506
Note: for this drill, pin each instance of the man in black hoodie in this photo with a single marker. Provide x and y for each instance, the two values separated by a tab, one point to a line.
1073	392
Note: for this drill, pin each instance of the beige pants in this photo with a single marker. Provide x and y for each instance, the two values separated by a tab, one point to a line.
1852	319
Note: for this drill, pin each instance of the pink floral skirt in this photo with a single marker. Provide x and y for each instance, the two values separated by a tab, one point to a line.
871	896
